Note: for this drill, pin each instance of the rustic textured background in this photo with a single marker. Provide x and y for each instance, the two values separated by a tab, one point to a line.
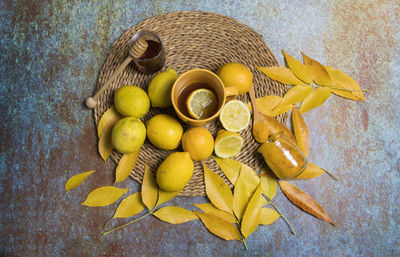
51	52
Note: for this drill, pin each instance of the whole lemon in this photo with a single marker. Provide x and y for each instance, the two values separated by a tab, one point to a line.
199	142
160	88
236	75
164	131
175	171
131	101
128	135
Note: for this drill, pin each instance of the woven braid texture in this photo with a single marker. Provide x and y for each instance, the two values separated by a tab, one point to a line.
192	40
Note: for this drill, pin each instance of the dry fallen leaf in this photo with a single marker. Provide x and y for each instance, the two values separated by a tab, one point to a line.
295	94
244	189
104	196
316	98
164	196
219	226
319	73
149	188
300	132
304	201
229	167
129	206
209	208
300	70
281	74
125	166
76	180
105	145
268	216
274	126
175	215
217	191
311	171
342	80
251	217
109	118
269	184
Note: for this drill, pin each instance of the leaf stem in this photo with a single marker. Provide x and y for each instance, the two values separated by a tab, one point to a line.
344	89
283	216
333	176
245	245
126	224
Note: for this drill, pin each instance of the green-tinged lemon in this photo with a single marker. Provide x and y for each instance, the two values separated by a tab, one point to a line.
236	75
131	101
160	88
199	142
175	171
128	135
227	144
164	131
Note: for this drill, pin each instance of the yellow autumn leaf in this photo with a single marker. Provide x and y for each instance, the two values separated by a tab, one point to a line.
268	216
125	166
149	188
105	145
129	206
251	217
175	215
104	196
319	73
219	226
342	80
316	98
244	189
300	132
311	171
267	103
209	208
299	70
217	191
281	74
269	184
109	118
164	196
295	94
229	167
76	180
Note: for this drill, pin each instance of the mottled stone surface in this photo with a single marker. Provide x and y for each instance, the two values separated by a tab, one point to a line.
50	55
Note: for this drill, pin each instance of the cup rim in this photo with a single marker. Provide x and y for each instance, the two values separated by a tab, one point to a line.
189	119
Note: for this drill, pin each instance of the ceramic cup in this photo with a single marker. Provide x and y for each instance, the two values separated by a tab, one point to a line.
201	77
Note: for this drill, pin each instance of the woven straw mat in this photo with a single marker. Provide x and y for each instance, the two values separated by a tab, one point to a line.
192	40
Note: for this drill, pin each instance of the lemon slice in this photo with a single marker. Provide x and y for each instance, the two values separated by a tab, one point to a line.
235	116
202	103
228	144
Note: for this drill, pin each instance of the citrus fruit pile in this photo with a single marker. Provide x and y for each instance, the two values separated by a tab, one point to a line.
165	132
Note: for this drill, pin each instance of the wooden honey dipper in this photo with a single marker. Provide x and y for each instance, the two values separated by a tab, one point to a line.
135	51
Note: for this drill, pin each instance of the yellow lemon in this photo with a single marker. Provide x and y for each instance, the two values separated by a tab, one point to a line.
236	75
227	144
160	88
128	135
202	103
199	142
131	101
175	171
164	131
235	116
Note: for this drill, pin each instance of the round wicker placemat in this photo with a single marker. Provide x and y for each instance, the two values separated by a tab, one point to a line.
192	40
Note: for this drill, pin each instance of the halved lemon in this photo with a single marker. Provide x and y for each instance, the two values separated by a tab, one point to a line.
202	103
227	144
235	116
